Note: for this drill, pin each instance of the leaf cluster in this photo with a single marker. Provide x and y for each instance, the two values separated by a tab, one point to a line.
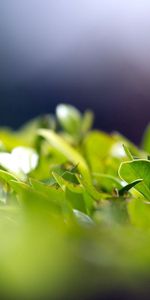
73	200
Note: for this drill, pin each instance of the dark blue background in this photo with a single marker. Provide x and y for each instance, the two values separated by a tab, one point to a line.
93	54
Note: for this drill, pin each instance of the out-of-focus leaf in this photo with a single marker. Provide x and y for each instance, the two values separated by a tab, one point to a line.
72	155
139	212
128	153
53	194
6	176
35	201
96	148
69	118
107	182
11	139
146	139
76	200
112	212
87	121
134	150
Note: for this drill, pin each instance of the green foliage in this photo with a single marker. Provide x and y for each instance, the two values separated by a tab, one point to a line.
146	139
137	170
72	201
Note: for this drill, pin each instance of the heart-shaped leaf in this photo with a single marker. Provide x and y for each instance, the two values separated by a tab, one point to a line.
137	169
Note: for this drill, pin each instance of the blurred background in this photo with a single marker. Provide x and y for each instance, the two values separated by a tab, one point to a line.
90	53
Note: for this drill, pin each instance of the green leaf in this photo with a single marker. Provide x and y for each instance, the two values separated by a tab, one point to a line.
129	186
6	176
63	147
146	139
73	156
11	139
76	200
107	182
63	183
87	121
54	194
129	146
35	202
139	212
71	177
128	153
135	170
96	148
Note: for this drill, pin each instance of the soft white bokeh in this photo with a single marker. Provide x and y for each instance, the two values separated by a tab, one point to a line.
20	161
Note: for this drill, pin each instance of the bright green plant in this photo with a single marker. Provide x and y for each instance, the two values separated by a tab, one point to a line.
74	208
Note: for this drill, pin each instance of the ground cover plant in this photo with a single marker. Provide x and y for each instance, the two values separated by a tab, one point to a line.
74	209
